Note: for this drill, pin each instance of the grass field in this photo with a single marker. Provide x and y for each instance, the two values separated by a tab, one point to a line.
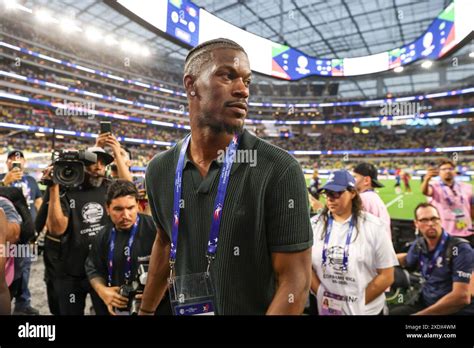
399	206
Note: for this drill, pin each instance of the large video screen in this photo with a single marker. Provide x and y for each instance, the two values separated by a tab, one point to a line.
191	25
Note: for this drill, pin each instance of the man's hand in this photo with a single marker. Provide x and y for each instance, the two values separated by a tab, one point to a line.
112	298
48	174
113	143
100	141
14	175
431	173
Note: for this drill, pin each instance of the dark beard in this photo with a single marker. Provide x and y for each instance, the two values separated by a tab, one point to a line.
218	127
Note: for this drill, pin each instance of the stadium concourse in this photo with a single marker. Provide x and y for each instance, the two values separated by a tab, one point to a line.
388	83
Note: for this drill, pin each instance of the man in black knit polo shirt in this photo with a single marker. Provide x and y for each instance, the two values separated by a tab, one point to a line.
229	206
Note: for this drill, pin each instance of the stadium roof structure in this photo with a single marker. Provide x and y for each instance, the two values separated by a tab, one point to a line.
329	29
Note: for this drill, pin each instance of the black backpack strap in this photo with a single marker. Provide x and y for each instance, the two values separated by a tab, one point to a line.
452	243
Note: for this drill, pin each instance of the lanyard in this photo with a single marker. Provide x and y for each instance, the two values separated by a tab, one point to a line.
345	258
218	203
426	269
128	260
448	200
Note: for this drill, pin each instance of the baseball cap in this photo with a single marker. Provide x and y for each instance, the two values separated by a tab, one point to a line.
367	169
339	181
16	153
101	153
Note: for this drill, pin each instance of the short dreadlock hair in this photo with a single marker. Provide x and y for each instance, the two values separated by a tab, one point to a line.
201	54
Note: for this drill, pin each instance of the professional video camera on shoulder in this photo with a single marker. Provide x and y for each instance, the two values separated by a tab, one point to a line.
69	167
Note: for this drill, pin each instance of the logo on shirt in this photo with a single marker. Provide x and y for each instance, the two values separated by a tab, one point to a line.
92	213
439	262
462	274
335	257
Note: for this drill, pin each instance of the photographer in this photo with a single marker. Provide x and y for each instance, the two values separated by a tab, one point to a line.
108	267
76	216
446	264
452	199
121	166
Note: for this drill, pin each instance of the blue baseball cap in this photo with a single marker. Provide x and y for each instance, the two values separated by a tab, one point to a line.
339	181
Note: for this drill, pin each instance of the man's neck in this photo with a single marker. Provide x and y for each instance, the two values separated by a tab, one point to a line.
432	243
205	145
365	189
449	183
342	217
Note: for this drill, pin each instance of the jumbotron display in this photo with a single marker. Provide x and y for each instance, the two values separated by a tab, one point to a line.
190	25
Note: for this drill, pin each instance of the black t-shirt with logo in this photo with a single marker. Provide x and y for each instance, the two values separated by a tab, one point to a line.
85	208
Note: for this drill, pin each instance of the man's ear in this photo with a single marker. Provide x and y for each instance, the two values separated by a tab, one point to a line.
107	209
188	82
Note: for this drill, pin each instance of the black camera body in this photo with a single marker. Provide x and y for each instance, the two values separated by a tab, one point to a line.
136	287
69	167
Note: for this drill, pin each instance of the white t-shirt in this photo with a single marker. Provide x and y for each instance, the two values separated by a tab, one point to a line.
369	250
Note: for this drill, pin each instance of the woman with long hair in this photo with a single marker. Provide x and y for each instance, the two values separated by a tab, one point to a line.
353	258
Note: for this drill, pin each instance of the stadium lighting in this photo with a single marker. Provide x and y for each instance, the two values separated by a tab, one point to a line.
129	47
68	26
145	52
10	4
398	69
93	35
365	131
427	64
110	40
471	54
45	17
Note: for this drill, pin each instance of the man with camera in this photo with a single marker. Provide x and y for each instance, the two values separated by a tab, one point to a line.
16	177
445	263
454	200
113	265
76	195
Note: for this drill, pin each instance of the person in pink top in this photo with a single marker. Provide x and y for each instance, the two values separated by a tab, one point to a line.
452	199
365	175
4	293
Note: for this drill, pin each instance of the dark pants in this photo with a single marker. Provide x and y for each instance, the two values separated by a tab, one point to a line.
52	270
53	301
72	293
23	296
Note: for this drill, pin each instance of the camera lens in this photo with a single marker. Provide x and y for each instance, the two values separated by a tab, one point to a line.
67	174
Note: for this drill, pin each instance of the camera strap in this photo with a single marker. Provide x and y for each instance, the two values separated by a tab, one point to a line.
128	253
218	203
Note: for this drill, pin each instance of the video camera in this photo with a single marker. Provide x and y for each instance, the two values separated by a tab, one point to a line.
69	167
136	287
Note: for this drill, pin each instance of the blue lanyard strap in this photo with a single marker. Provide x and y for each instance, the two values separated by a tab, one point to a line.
218	203
345	258
448	200
426	269
128	260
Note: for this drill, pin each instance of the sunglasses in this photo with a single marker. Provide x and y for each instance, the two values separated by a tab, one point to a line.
332	194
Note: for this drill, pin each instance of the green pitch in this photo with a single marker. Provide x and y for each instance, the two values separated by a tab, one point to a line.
399	206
